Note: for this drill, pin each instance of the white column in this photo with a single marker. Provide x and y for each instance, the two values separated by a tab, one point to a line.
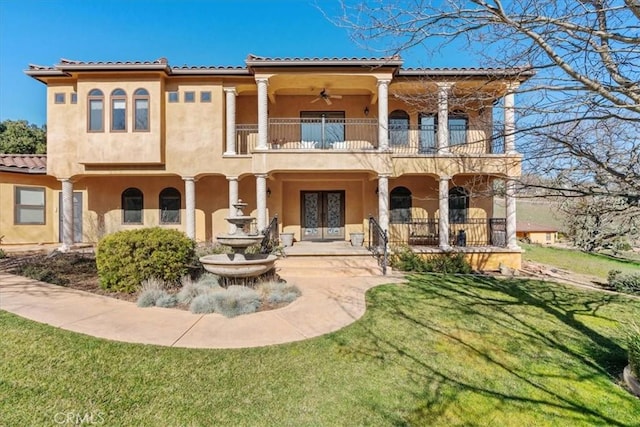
443	117
230	95
67	214
190	206
261	200
263	114
512	242
233	199
383	115
509	122
443	219
383	201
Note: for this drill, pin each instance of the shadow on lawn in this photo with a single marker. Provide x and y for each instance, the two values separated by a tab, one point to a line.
509	342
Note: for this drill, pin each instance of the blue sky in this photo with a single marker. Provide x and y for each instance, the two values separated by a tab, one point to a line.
192	32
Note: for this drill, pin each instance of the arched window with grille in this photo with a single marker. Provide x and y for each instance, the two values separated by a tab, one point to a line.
141	110
132	206
118	110
95	113
458	205
400	205
169	204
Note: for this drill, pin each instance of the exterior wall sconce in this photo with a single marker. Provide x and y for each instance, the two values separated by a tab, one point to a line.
366	110
268	192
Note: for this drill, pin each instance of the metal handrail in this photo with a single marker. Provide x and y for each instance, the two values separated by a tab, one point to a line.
378	244
271	237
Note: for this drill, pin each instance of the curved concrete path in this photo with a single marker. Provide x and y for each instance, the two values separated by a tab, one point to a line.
326	305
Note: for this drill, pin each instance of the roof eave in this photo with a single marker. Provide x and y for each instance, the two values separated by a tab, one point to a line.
23	170
209	72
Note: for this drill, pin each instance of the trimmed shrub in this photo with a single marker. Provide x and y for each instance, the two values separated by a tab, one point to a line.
236	300
126	258
627	283
405	259
41	273
203	304
275	292
634	350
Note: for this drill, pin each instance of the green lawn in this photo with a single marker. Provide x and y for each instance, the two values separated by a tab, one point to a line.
577	261
436	351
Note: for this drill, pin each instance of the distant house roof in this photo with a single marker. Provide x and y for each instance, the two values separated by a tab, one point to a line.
24	163
531	227
67	67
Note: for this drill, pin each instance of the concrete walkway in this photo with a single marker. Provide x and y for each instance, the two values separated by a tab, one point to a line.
326	305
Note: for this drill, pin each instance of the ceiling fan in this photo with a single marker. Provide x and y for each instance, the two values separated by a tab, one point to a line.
324	95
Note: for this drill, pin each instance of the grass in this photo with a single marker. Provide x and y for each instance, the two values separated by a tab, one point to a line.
577	261
435	351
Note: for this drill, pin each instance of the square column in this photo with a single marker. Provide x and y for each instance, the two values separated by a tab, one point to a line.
443	219
263	114
190	206
512	241
443	117
383	115
230	95
261	200
383	201
67	214
233	199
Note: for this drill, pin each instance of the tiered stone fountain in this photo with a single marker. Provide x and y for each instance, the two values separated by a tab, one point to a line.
239	264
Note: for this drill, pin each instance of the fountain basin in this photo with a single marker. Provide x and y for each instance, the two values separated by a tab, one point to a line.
238	240
238	265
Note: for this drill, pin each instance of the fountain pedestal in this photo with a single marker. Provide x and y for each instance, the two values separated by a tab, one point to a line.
239	264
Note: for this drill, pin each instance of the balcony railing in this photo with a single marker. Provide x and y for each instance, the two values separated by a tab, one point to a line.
362	134
472	232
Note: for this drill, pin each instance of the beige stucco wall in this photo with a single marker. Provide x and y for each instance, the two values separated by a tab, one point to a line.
13	233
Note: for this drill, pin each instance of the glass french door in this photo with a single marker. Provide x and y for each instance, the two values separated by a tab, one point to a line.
322	215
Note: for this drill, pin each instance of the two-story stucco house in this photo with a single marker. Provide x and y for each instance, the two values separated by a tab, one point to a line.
323	143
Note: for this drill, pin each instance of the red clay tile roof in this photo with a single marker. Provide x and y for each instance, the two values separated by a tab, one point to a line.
24	163
529	227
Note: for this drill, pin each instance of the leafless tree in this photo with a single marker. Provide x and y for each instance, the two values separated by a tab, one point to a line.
579	117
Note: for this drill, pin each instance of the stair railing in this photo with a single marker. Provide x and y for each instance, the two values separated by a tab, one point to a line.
378	243
271	238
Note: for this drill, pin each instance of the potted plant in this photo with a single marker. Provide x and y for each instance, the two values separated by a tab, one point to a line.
286	239
357	238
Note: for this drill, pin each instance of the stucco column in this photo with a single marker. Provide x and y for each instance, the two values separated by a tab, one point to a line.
383	115
383	201
233	199
190	206
509	121
512	242
443	117
263	114
261	200
230	95
67	214
443	219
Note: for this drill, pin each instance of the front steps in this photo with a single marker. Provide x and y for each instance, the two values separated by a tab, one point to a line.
327	259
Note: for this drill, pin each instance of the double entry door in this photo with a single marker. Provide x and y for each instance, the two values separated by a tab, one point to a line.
322	215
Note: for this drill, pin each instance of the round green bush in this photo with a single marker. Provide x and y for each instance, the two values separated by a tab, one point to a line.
126	258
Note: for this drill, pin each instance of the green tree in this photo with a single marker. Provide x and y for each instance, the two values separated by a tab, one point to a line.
21	137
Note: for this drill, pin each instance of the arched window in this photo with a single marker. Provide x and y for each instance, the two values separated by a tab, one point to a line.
398	128
400	205
132	204
428	129
458	205
141	110
95	115
458	125
118	110
169	206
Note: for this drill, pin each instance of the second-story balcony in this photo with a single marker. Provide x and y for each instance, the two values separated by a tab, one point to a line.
342	134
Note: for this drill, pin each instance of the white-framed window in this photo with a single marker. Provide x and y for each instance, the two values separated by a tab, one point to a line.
30	206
